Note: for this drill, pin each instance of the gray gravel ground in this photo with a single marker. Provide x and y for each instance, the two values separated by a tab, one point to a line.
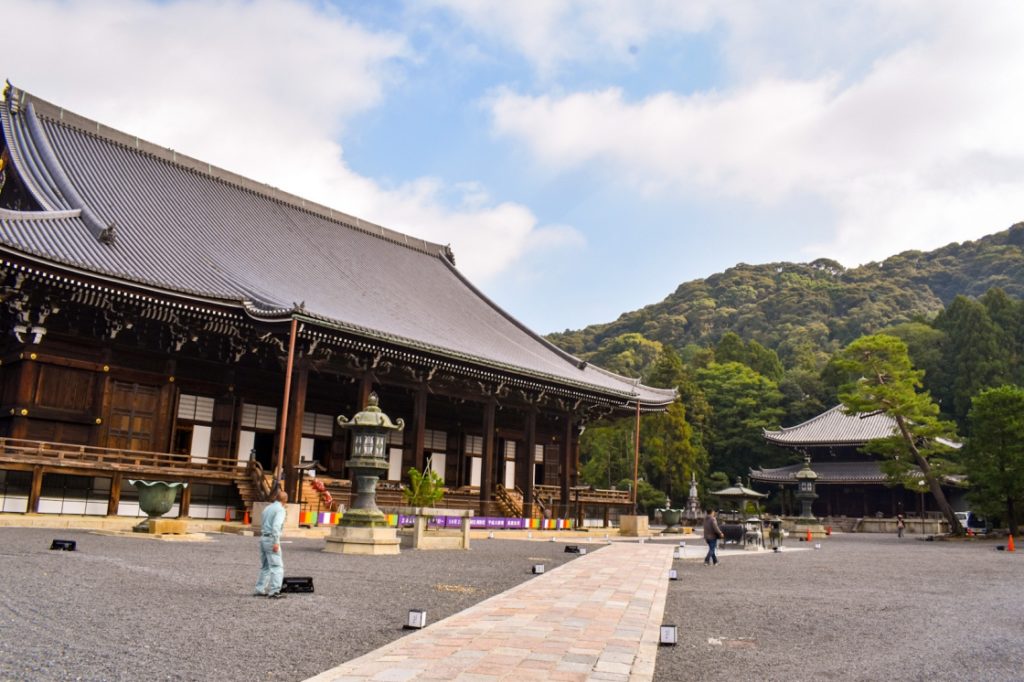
125	608
864	607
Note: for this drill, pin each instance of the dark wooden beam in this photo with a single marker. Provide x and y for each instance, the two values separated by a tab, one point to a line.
36	490
186	501
526	476
419	426
487	465
115	494
565	476
296	410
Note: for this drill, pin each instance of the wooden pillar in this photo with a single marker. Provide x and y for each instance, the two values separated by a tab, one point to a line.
293	442
419	426
564	476
365	389
28	376
186	501
115	494
36	490
575	474
529	466
487	465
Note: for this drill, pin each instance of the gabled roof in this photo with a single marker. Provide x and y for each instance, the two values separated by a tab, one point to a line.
834	427
127	210
828	472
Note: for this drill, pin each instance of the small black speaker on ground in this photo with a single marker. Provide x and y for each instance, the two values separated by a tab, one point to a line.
297	585
572	549
64	545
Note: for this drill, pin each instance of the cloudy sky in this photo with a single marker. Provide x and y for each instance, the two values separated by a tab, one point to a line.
582	157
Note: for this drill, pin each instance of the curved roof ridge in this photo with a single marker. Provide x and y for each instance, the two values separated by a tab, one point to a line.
562	353
10	214
62	116
808	422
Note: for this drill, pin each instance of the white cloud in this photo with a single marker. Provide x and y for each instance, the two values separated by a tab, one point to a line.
923	147
550	33
264	88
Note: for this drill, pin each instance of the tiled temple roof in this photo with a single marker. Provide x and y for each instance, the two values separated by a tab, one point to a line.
129	211
834	427
828	472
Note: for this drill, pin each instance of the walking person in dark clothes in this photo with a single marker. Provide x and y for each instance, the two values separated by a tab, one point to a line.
712	534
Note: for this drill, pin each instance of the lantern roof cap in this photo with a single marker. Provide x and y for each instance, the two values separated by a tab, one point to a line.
371	417
806	473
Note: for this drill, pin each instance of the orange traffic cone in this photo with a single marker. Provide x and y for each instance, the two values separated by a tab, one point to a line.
1009	545
245	518
808	535
227	515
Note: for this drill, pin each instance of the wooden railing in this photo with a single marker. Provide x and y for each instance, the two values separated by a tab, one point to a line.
594	496
20	451
261	486
506	499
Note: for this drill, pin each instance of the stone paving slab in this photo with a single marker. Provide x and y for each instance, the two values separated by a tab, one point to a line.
594	618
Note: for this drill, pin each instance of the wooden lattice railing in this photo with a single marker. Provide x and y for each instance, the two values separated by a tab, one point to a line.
21	451
510	506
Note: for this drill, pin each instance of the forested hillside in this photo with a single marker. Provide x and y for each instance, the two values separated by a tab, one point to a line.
797	308
755	347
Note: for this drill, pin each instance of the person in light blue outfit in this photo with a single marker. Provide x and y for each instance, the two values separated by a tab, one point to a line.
271	561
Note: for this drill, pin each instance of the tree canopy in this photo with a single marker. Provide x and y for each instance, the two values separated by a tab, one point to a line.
994	456
887	383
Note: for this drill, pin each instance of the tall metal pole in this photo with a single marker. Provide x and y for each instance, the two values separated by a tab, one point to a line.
279	464
636	456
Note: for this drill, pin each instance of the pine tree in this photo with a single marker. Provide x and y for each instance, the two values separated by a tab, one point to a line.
887	383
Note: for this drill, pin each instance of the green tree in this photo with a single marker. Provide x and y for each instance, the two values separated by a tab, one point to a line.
994	455
425	489
667	452
606	453
974	355
742	404
629	354
887	383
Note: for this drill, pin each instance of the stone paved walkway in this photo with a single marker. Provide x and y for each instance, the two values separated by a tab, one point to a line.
595	618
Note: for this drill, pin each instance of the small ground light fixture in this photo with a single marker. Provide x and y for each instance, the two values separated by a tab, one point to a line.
669	635
553	539
583	550
678	553
417	619
538	569
673	574
490	536
682	543
529	535
817	545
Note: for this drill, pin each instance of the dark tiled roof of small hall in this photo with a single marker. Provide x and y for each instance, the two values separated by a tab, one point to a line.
183	226
828	472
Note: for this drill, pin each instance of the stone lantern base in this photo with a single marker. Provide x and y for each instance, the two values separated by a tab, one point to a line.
362	540
804	525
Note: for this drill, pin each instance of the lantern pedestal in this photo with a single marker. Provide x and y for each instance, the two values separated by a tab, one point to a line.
803	525
366	540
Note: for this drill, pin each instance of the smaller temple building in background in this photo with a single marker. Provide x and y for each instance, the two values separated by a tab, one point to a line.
850	482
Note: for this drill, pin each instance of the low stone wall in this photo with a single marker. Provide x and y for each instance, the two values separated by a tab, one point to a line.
913	526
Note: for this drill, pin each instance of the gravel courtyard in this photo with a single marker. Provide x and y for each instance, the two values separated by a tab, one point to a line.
127	608
864	607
